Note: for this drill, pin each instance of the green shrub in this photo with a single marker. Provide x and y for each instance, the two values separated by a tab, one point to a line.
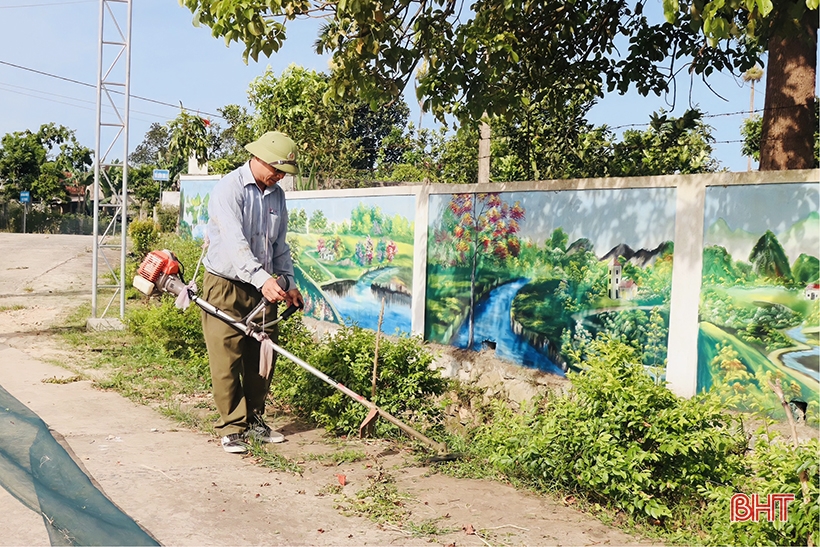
144	236
188	253
774	467
619	438
177	332
405	386
167	216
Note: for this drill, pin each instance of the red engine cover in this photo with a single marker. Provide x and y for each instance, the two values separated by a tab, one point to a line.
157	263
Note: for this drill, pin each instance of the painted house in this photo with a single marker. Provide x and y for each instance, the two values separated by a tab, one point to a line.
628	289
812	291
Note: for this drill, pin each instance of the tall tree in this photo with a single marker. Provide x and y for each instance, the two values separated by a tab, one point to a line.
188	138
42	162
787	30
490	56
336	139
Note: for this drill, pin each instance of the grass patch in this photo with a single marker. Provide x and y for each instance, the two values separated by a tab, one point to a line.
272	460
13	307
338	458
190	418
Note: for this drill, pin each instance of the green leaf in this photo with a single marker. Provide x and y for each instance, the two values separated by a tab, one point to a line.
765	7
670	10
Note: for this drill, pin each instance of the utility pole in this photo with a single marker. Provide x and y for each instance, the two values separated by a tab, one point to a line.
752	75
484	150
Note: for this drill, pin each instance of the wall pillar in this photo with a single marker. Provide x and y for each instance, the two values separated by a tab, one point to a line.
687	271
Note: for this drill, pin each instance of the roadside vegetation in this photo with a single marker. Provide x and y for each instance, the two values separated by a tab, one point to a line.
616	444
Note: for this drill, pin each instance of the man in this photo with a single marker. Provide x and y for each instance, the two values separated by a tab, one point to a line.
247	251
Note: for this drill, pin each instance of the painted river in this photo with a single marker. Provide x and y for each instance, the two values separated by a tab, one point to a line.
492	324
361	303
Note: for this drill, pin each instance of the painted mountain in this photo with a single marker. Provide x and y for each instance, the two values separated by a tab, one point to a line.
738	242
802	237
642	257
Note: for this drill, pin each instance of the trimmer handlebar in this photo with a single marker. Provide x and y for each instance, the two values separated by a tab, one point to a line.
160	273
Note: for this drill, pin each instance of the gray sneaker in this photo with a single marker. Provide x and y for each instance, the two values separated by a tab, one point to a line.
260	432
234	443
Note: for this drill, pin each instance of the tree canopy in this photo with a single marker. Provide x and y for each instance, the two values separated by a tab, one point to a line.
42	162
495	56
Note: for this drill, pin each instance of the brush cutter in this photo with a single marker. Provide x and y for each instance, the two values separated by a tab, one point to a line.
160	272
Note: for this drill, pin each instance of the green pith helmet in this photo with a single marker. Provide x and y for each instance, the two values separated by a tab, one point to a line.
277	150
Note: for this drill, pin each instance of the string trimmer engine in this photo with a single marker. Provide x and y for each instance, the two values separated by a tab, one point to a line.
159	273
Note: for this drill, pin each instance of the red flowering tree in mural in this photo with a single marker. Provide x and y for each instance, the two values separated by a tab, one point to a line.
478	225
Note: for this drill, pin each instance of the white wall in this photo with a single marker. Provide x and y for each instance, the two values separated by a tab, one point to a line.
681	373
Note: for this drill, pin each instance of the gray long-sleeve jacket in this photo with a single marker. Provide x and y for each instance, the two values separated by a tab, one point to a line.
247	230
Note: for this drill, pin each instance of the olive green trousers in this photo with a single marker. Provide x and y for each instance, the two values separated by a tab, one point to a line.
238	389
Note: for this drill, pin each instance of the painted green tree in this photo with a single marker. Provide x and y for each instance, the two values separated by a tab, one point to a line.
806	269
318	222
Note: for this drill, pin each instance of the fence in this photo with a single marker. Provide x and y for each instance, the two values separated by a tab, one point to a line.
532	268
43	220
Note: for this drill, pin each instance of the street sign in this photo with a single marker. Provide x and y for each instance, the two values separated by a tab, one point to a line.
25	196
161	174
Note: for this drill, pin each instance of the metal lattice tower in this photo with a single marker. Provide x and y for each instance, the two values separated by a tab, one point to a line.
113	90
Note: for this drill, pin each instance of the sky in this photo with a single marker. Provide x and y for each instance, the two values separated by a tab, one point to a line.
174	62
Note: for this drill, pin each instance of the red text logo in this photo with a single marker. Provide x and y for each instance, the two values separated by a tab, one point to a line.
744	508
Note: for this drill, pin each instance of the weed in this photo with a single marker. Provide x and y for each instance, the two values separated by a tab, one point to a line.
144	236
68	380
13	307
380	501
192	420
272	460
405	384
430	527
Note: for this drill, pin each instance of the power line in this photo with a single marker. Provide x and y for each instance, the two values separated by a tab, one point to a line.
86	84
5	86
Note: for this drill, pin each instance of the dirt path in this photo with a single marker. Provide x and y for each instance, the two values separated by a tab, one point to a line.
184	490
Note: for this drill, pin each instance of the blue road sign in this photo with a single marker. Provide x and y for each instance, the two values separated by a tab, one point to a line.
161	174
25	196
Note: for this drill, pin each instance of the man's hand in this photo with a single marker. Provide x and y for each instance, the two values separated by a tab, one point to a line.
294	298
273	292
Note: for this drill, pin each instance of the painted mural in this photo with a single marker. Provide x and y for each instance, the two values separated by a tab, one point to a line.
352	254
536	275
760	296
193	201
